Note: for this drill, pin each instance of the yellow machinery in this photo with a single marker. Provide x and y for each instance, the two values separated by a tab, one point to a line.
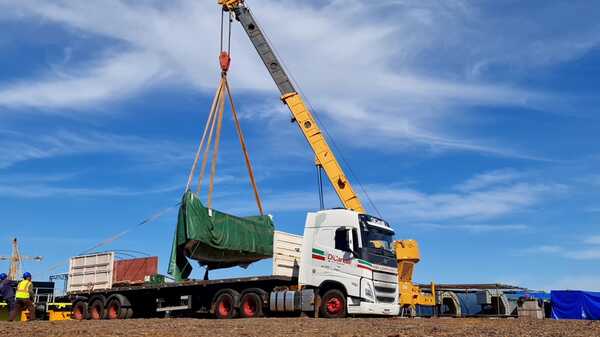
59	311
408	255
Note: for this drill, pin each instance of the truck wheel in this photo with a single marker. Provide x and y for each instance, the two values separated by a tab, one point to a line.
224	306
129	314
80	311
115	310
96	310
251	306
333	304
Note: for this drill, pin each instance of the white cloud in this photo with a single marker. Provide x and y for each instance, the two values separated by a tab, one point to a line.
20	147
586	249
593	179
495	202
592	240
473	228
476	211
47	185
543	249
116	76
584	254
498	177
373	70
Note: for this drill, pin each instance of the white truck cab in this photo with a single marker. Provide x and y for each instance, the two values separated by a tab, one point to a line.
348	253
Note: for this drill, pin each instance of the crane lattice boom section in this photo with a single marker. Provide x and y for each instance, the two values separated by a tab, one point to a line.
325	157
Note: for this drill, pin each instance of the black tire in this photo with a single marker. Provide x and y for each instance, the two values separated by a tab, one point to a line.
333	304
129	313
224	306
96	310
115	309
79	312
251	306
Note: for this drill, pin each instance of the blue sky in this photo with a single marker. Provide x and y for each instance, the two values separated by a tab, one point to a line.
472	125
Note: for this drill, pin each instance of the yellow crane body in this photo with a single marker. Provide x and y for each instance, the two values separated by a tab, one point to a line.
298	108
324	156
408	255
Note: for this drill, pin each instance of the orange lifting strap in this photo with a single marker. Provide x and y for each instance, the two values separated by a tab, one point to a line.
210	140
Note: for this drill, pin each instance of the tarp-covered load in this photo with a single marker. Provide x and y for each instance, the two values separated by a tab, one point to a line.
572	304
217	240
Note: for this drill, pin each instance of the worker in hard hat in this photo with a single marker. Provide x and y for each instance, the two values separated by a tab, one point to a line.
7	291
24	298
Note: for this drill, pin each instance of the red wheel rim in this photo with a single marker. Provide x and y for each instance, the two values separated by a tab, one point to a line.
334	306
95	313
249	307
112	312
77	314
224	307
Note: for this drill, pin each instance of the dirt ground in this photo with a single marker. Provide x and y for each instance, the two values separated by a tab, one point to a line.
270	327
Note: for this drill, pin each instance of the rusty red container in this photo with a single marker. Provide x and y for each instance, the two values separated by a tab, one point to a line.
135	270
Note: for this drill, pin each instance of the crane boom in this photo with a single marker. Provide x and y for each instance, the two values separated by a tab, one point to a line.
300	111
16	260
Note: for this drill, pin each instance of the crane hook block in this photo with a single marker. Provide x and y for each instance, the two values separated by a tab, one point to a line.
225	61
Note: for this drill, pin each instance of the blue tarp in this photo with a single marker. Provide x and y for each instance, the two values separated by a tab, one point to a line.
574	304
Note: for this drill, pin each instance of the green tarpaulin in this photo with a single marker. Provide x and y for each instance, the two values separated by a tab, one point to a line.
217	240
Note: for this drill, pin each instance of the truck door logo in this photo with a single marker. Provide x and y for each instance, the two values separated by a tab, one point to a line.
338	259
318	254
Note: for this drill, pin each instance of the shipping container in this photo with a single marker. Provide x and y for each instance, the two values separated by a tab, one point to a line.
134	271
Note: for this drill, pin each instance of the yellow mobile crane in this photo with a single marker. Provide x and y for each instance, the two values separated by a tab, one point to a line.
300	112
407	251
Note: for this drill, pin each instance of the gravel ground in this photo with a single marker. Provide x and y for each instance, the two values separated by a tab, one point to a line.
270	327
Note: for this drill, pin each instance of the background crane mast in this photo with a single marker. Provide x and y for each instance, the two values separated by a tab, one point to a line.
16	261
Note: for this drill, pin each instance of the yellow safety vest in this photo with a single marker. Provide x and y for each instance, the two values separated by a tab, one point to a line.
23	290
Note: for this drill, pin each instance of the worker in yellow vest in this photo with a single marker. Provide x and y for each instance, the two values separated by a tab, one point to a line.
24	298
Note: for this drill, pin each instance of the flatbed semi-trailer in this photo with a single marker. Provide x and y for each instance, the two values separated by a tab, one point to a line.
333	270
223	298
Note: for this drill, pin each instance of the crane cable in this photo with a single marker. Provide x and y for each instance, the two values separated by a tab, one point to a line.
119	235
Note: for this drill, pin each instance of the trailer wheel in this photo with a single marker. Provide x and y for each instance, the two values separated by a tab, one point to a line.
224	306
251	306
333	304
80	311
115	310
96	309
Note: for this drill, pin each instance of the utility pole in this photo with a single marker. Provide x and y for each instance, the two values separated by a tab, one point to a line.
16	261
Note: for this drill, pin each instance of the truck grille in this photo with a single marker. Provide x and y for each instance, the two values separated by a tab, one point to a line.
385	292
385	299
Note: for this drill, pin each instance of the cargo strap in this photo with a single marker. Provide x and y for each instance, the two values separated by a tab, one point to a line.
210	141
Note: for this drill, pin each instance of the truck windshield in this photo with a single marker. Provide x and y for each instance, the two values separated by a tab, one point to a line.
377	241
377	238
